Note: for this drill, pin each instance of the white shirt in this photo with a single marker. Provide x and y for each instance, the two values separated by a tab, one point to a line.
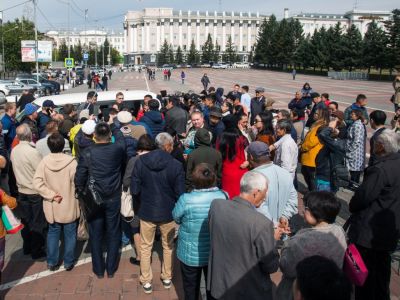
246	100
286	154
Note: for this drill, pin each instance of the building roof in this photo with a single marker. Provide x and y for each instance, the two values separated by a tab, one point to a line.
319	16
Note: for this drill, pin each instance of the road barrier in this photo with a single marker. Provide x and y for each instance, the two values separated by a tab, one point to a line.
348	75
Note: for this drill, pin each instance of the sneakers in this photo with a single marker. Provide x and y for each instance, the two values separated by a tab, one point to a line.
147	288
167	283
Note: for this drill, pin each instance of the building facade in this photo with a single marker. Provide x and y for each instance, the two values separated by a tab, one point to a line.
361	19
89	37
146	31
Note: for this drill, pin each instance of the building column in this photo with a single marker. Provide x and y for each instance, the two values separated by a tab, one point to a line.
134	47
223	36
249	36
147	37
189	35
198	35
143	39
215	24
158	37
233	31
125	40
240	36
171	32
162	32
180	35
207	24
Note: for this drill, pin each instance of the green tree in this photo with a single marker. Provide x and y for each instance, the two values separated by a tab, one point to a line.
265	49
193	55
217	50
230	54
303	56
208	50
78	51
163	54
336	47
179	56
374	50
171	57
352	48
393	36
62	51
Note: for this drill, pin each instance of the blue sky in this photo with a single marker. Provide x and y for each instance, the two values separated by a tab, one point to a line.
109	13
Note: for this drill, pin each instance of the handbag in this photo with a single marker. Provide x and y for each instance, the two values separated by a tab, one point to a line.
90	199
354	266
10	222
82	231
127	206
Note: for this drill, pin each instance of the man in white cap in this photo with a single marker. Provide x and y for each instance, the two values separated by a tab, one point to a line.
84	138
125	119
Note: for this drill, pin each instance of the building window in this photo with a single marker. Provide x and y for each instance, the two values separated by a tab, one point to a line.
244	48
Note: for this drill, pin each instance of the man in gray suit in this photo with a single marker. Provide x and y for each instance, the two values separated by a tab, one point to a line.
242	245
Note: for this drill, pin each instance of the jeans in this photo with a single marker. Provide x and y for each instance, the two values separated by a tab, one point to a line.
147	233
191	277
309	177
376	287
108	217
30	210
53	239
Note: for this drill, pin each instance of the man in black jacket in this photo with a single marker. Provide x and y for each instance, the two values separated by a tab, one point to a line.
105	165
158	180
378	119
176	117
257	104
375	216
318	103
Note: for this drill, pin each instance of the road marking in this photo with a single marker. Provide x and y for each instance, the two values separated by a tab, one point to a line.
47	273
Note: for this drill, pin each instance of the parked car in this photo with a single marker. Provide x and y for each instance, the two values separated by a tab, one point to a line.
220	66
3	99
43	79
48	88
205	65
10	88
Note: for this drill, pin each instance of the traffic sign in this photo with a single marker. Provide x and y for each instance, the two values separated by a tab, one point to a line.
85	56
69	62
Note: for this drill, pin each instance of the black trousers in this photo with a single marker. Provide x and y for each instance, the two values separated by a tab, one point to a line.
30	210
377	285
309	177
191	277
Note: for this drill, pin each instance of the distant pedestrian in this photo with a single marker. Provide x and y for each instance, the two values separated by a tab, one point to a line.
165	73
205	81
294	73
104	80
169	74
89	81
109	74
183	76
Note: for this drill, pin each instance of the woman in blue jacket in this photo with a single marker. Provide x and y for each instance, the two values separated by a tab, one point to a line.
191	212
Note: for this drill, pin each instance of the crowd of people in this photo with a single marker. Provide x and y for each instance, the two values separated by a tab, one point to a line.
216	177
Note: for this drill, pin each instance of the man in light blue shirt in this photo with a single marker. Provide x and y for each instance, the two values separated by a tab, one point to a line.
245	99
281	202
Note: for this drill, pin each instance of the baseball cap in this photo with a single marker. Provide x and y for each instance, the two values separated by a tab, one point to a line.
84	114
124	117
48	103
258	149
30	109
260	90
216	112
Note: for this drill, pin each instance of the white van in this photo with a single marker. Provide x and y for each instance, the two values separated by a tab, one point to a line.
105	100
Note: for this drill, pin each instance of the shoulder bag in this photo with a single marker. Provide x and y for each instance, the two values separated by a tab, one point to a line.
90	199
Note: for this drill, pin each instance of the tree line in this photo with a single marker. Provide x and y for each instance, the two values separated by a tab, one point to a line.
284	45
210	52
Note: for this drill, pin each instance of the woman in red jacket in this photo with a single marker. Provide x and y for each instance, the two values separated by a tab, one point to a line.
232	145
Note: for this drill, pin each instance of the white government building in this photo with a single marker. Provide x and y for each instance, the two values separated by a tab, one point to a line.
146	30
89	37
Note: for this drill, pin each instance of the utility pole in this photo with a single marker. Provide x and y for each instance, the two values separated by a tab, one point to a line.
103	46
69	43
36	39
85	47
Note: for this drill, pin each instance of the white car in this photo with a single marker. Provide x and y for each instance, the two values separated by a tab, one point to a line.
105	100
220	66
206	65
241	64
